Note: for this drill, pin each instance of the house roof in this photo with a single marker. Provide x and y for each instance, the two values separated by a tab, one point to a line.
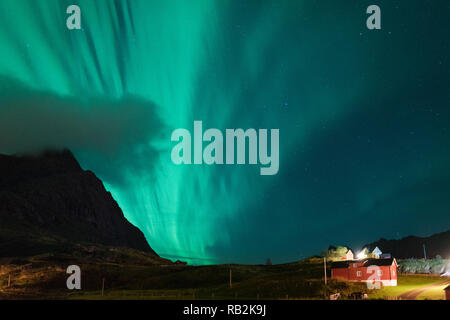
377	250
447	288
365	262
340	264
379	262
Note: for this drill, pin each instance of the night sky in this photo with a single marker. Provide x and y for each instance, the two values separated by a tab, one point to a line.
364	116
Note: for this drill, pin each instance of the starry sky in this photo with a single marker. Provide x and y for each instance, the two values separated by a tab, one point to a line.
364	116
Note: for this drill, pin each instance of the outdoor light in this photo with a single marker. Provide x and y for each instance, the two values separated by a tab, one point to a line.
361	255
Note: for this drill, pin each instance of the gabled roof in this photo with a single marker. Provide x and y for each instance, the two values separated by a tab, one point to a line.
340	264
377	251
379	262
447	288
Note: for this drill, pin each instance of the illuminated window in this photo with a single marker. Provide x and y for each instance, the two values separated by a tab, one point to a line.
380	272
358	273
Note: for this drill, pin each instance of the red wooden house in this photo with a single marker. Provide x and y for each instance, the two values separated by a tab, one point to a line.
366	270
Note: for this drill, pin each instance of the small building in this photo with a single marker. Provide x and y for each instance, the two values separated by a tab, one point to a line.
364	253
363	271
349	255
447	293
377	253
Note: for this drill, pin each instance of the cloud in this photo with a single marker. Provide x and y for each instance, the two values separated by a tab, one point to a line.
31	120
114	132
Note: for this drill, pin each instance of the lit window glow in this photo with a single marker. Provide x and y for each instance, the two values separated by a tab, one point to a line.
361	255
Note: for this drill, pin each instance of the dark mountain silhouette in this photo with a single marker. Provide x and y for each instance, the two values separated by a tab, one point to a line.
49	203
412	247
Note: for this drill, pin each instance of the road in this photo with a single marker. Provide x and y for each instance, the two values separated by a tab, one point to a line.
412	295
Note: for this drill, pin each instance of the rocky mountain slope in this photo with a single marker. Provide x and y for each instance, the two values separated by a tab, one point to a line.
48	203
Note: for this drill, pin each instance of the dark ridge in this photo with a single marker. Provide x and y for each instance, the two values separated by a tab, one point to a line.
412	246
18	169
48	202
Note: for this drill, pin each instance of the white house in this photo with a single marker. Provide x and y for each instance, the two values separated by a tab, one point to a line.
349	255
377	252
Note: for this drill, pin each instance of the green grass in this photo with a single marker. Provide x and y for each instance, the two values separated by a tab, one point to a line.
407	283
435	293
299	280
130	274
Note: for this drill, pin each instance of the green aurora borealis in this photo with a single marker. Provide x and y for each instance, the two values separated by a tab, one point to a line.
364	116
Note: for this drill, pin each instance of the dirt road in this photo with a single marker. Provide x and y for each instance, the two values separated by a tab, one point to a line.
412	295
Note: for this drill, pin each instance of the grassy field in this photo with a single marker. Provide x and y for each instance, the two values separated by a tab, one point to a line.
406	283
436	293
300	280
130	274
